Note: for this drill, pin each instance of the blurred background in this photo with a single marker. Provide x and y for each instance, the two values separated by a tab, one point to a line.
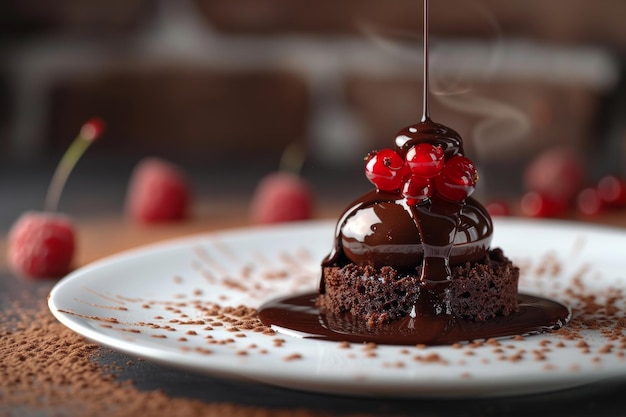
222	87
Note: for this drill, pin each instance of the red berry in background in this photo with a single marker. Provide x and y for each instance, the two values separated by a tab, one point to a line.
41	245
281	197
386	169
557	173
425	159
498	208
588	202
535	204
458	178
612	191
417	189
158	191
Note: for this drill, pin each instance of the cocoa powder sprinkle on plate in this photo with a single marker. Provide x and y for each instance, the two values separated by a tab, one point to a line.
47	367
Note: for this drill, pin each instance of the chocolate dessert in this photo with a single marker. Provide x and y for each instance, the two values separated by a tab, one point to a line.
412	261
419	244
423	251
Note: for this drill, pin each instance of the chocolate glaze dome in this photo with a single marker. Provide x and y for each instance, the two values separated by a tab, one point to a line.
383	228
379	230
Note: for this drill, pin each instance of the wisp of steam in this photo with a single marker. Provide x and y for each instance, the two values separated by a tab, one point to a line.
455	69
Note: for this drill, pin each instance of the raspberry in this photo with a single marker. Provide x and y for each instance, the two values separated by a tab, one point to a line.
425	160
386	169
281	197
458	178
158	191
41	245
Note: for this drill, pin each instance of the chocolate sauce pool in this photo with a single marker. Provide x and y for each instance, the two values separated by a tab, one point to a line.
299	313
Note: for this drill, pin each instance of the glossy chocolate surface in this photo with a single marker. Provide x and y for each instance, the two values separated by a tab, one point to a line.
381	229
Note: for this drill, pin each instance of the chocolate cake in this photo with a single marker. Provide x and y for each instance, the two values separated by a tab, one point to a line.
479	291
400	251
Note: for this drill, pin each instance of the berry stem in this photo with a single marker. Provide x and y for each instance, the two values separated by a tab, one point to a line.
292	158
426	105
89	132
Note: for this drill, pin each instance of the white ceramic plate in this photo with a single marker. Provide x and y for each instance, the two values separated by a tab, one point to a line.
150	303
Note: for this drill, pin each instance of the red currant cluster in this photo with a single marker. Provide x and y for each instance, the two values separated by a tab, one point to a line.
608	194
422	172
555	186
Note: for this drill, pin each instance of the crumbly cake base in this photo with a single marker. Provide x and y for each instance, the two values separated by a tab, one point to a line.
477	291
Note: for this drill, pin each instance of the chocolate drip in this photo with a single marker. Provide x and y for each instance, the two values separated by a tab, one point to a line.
438	225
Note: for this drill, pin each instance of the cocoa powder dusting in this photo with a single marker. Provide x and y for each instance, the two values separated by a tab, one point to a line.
47	367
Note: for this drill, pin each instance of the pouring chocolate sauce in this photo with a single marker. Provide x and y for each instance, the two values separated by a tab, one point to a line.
428	237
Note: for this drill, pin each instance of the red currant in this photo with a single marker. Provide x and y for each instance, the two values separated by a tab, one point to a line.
535	204
458	178
498	208
556	172
612	191
588	202
425	159
385	169
417	189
